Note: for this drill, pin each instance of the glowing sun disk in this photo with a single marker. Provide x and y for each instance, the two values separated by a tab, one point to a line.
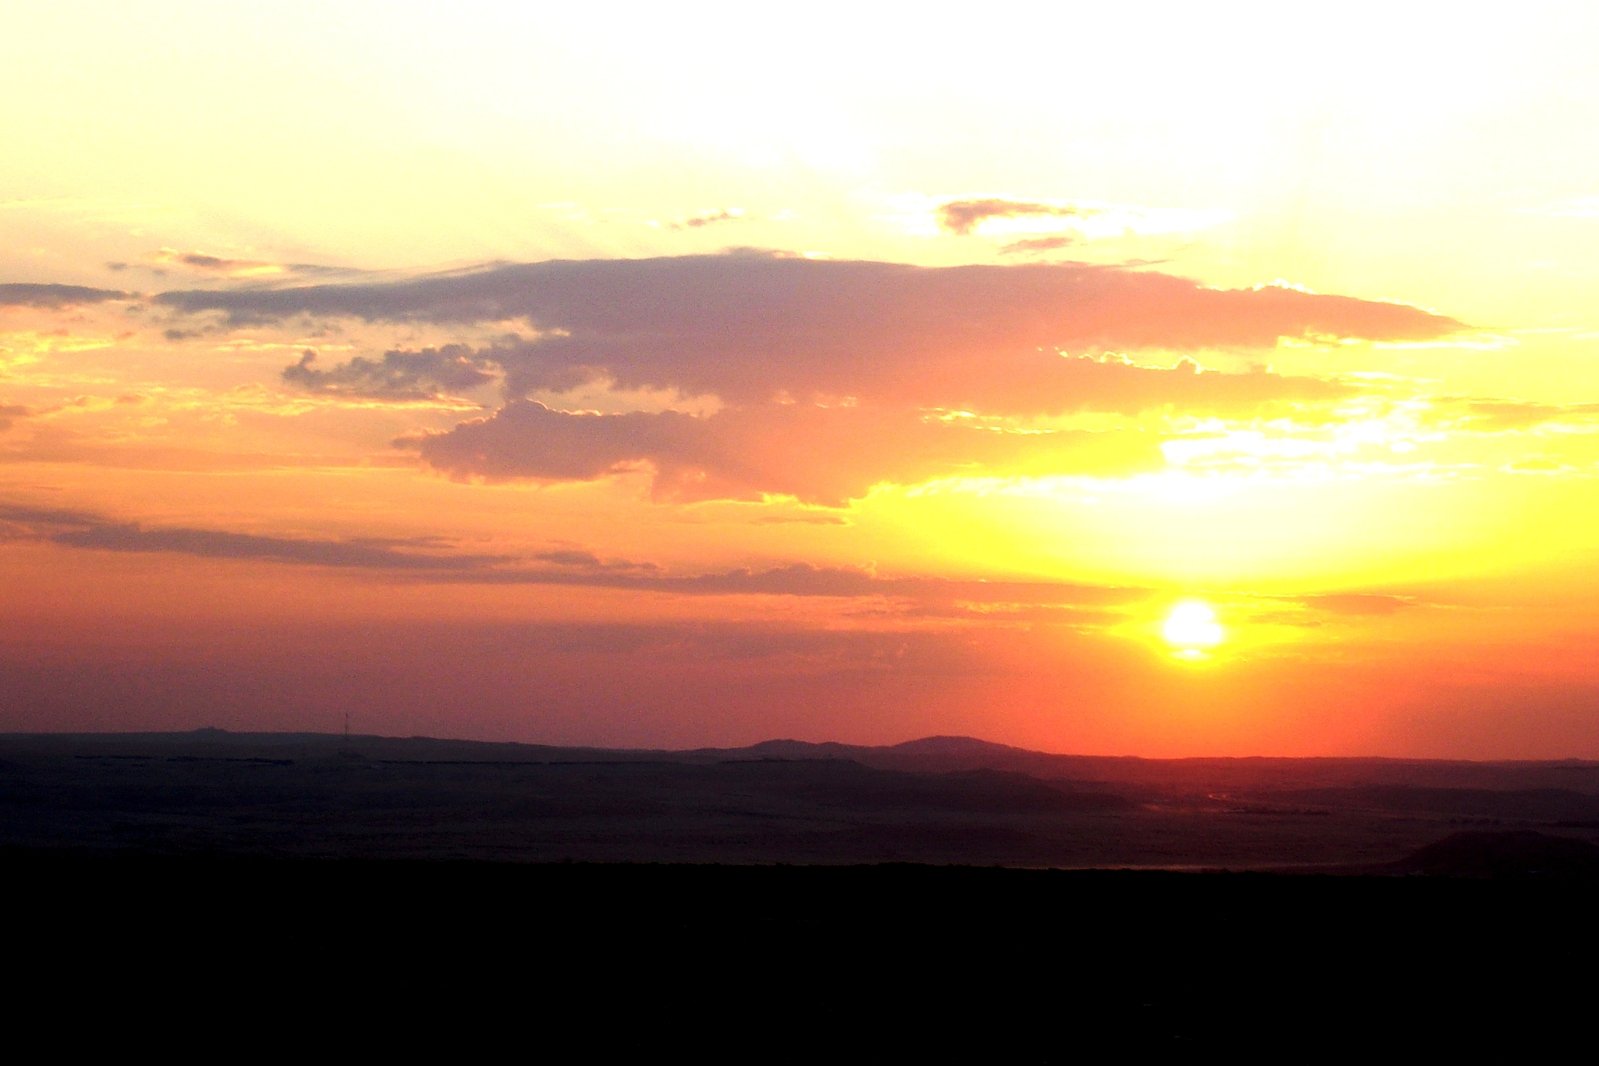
1192	625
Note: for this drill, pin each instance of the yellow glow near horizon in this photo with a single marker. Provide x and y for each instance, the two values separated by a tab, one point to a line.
1346	529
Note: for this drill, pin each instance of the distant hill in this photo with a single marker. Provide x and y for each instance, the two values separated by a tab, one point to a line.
1269	778
958	747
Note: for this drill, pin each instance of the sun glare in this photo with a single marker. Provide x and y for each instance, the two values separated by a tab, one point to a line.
1192	629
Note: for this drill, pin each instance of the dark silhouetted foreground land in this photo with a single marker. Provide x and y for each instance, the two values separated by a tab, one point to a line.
940	801
791	902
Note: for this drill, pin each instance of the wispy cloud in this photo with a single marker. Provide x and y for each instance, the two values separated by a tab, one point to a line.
709	218
1038	244
964	216
20	294
427	374
433	559
80	529
233	267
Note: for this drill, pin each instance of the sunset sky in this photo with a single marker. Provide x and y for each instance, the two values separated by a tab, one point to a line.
850	372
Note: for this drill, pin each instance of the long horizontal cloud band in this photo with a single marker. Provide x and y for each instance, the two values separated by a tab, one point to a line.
746	326
847	356
23	294
1053	302
433	559
818	454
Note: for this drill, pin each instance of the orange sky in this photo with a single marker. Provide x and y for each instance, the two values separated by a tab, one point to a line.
494	374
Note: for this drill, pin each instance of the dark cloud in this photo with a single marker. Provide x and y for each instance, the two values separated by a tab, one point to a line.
577	559
963	216
847	356
824	455
670	318
429	373
749	328
477	295
1038	244
9	413
709	218
80	529
215	544
209	262
19	294
216	264
45	518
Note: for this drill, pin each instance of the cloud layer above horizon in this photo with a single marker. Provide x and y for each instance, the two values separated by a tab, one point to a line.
885	372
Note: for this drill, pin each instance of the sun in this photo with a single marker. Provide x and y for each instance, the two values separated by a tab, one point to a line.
1192	628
